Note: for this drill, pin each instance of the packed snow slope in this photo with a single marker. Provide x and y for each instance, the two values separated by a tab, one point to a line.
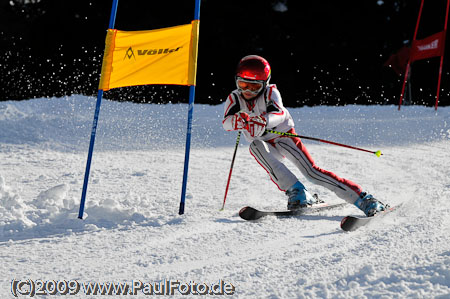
132	232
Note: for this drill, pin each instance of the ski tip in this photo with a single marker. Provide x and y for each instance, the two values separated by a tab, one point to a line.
243	210
343	221
350	223
248	213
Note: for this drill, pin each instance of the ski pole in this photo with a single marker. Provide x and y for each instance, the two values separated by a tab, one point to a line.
377	153
231	170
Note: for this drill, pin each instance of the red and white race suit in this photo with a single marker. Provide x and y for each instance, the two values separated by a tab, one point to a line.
270	149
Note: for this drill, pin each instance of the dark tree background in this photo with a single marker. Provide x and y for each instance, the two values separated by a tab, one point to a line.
322	52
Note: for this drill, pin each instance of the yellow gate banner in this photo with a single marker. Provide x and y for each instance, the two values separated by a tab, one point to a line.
161	56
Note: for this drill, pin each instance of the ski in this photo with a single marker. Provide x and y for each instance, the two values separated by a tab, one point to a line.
249	213
352	223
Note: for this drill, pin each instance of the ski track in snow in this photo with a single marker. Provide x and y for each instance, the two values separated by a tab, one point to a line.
132	230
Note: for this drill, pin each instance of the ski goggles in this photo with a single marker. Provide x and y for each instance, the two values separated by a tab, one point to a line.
252	86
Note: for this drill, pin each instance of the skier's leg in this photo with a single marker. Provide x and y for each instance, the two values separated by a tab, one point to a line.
269	158
297	153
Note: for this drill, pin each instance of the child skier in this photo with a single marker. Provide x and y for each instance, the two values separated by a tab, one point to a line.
256	106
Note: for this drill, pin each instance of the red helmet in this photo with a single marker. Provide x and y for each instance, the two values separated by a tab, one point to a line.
254	67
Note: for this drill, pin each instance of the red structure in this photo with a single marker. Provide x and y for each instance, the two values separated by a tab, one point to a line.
431	46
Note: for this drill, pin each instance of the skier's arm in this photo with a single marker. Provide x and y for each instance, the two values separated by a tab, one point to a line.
276	113
232	119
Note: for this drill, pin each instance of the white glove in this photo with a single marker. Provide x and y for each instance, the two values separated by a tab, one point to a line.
256	125
240	120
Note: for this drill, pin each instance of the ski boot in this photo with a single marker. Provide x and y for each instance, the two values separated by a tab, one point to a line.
299	197
369	204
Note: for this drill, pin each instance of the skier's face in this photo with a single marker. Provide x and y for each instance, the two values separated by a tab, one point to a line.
248	95
249	88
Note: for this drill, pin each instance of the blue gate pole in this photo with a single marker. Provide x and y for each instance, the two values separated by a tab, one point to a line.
112	21
189	129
